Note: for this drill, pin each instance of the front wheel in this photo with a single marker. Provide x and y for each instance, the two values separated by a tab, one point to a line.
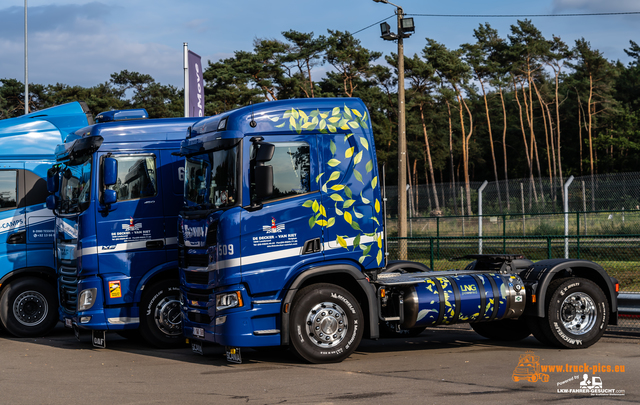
577	313
326	324
160	317
29	307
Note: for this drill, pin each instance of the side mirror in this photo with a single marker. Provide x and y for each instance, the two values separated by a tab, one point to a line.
53	180
110	171
264	181
51	202
265	151
109	197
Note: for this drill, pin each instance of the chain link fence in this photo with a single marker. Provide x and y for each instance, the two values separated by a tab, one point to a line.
604	192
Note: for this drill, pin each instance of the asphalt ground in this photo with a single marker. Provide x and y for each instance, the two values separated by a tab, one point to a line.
450	365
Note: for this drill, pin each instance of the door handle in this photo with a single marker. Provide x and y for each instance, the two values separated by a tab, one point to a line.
17	238
155	244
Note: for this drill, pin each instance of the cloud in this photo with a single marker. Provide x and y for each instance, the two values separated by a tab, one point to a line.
71	44
199	25
49	18
595	6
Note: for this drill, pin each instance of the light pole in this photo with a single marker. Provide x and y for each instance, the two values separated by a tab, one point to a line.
405	28
26	64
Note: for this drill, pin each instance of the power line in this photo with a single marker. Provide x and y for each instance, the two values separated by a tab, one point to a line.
523	15
376	23
504	16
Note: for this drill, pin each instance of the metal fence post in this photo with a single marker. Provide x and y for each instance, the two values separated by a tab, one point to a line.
566	216
484	184
431	254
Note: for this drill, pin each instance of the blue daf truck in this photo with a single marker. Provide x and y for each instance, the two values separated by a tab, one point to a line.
28	298
115	192
282	243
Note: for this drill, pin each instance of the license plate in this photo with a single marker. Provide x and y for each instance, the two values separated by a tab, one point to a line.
198	332
99	338
196	347
67	323
233	355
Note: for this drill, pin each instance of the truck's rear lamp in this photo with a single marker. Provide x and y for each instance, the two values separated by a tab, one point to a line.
617	287
228	300
87	298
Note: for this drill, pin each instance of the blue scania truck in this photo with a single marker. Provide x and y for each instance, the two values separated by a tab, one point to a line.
282	243
115	191
28	298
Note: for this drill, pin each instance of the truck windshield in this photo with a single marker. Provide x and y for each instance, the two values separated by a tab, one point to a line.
75	186
211	178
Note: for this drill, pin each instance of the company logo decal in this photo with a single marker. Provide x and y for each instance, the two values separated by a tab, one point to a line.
273	228
131	226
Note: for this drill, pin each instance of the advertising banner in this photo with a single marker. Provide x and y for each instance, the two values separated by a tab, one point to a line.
196	86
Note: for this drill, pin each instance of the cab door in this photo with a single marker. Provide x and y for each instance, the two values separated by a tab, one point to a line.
13	235
286	232
131	234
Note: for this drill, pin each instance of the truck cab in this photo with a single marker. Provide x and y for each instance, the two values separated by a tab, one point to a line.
28	298
115	192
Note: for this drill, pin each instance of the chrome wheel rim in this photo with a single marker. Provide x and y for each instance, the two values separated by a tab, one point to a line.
168	317
327	324
30	308
578	312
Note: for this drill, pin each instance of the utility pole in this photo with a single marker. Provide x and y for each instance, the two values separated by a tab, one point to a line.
26	64
405	28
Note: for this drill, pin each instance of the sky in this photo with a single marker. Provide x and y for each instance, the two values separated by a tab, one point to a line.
78	42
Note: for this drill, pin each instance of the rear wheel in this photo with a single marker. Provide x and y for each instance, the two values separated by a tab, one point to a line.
509	330
29	307
160	317
577	313
326	324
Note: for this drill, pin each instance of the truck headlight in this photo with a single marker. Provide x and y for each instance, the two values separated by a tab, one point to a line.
228	300
87	298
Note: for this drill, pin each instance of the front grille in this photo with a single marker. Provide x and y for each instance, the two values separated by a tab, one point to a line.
196	277
197	297
199	318
197	260
68	284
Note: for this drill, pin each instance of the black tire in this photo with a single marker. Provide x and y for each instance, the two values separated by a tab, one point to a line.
506	330
389	331
577	313
326	324
160	317
29	307
535	324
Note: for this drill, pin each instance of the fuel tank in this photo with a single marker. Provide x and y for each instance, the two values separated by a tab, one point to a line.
444	300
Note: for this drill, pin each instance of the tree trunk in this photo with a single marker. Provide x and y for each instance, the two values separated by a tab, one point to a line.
493	153
429	161
504	149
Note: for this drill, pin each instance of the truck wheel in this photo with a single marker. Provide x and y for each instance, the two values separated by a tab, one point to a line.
326	324
507	330
577	313
160	317
29	307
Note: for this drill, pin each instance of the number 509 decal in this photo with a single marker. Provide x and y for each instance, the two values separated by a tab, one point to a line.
224	250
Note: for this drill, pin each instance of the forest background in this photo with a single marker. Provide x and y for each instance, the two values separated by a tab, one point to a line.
509	105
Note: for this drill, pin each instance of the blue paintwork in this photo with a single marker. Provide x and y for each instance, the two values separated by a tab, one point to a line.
110	245
27	145
342	210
